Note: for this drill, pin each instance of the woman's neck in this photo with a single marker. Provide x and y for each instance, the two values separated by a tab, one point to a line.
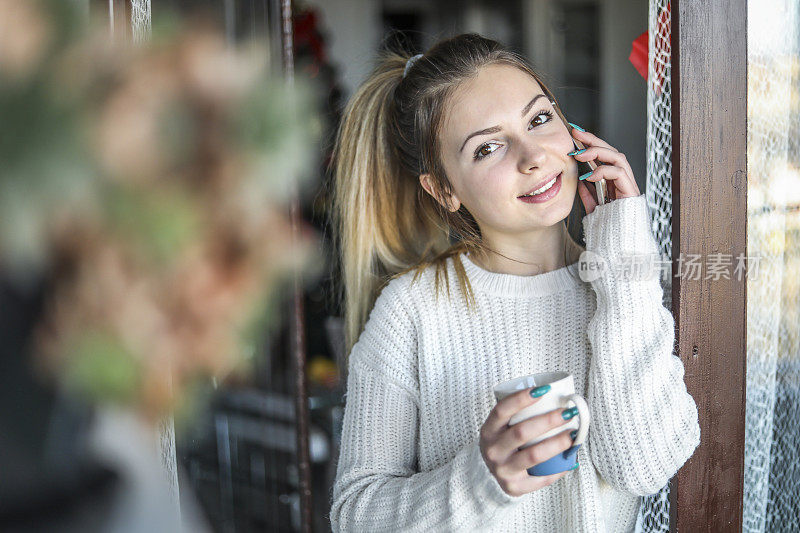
546	256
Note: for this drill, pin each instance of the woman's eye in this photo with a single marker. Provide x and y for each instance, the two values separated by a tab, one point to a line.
548	114
480	154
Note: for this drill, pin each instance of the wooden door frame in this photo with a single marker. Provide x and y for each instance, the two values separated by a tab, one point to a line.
709	184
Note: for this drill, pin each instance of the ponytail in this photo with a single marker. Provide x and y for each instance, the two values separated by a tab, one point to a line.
376	211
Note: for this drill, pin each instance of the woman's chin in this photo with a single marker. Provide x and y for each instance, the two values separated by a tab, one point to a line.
559	207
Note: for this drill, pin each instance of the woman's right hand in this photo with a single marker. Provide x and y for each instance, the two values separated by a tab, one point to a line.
499	444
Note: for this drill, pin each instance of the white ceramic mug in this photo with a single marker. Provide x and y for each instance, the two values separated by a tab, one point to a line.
561	394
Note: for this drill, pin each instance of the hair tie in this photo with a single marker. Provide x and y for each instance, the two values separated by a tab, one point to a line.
410	62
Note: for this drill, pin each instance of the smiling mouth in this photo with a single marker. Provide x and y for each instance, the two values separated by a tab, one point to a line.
546	186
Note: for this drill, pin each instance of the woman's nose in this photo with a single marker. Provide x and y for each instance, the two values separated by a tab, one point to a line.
531	156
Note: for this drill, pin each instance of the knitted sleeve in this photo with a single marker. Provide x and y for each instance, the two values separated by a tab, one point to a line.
644	422
377	486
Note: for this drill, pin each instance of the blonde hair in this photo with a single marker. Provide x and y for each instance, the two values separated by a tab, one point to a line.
385	223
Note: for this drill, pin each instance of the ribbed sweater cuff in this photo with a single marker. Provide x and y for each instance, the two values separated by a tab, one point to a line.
620	228
485	483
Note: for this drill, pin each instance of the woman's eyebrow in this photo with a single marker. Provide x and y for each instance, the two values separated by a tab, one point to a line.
495	129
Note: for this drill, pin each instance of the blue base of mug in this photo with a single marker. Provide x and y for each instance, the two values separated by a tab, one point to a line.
554	465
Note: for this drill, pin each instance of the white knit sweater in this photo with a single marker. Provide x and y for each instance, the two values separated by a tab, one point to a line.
420	388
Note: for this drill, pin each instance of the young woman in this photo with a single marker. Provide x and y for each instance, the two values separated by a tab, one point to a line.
434	159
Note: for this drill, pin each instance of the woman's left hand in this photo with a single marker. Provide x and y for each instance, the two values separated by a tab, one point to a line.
617	172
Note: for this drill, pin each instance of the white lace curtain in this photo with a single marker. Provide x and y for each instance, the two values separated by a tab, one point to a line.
654	511
141	17
772	422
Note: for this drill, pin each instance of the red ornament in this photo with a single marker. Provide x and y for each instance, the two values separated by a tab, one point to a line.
639	56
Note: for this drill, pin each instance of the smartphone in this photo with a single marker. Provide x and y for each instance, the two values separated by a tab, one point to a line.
599	191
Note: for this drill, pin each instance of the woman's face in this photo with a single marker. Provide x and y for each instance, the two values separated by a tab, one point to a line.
489	171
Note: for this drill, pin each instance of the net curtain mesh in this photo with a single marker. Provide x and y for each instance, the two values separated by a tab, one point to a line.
140	20
140	30
654	510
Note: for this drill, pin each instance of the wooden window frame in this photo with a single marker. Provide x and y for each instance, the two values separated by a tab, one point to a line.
709	185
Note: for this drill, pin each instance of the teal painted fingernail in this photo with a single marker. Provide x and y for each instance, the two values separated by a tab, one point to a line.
586	175
576	152
569	413
576	466
576	127
573	434
540	391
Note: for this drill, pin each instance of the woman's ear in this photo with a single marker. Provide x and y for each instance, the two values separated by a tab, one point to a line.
449	202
